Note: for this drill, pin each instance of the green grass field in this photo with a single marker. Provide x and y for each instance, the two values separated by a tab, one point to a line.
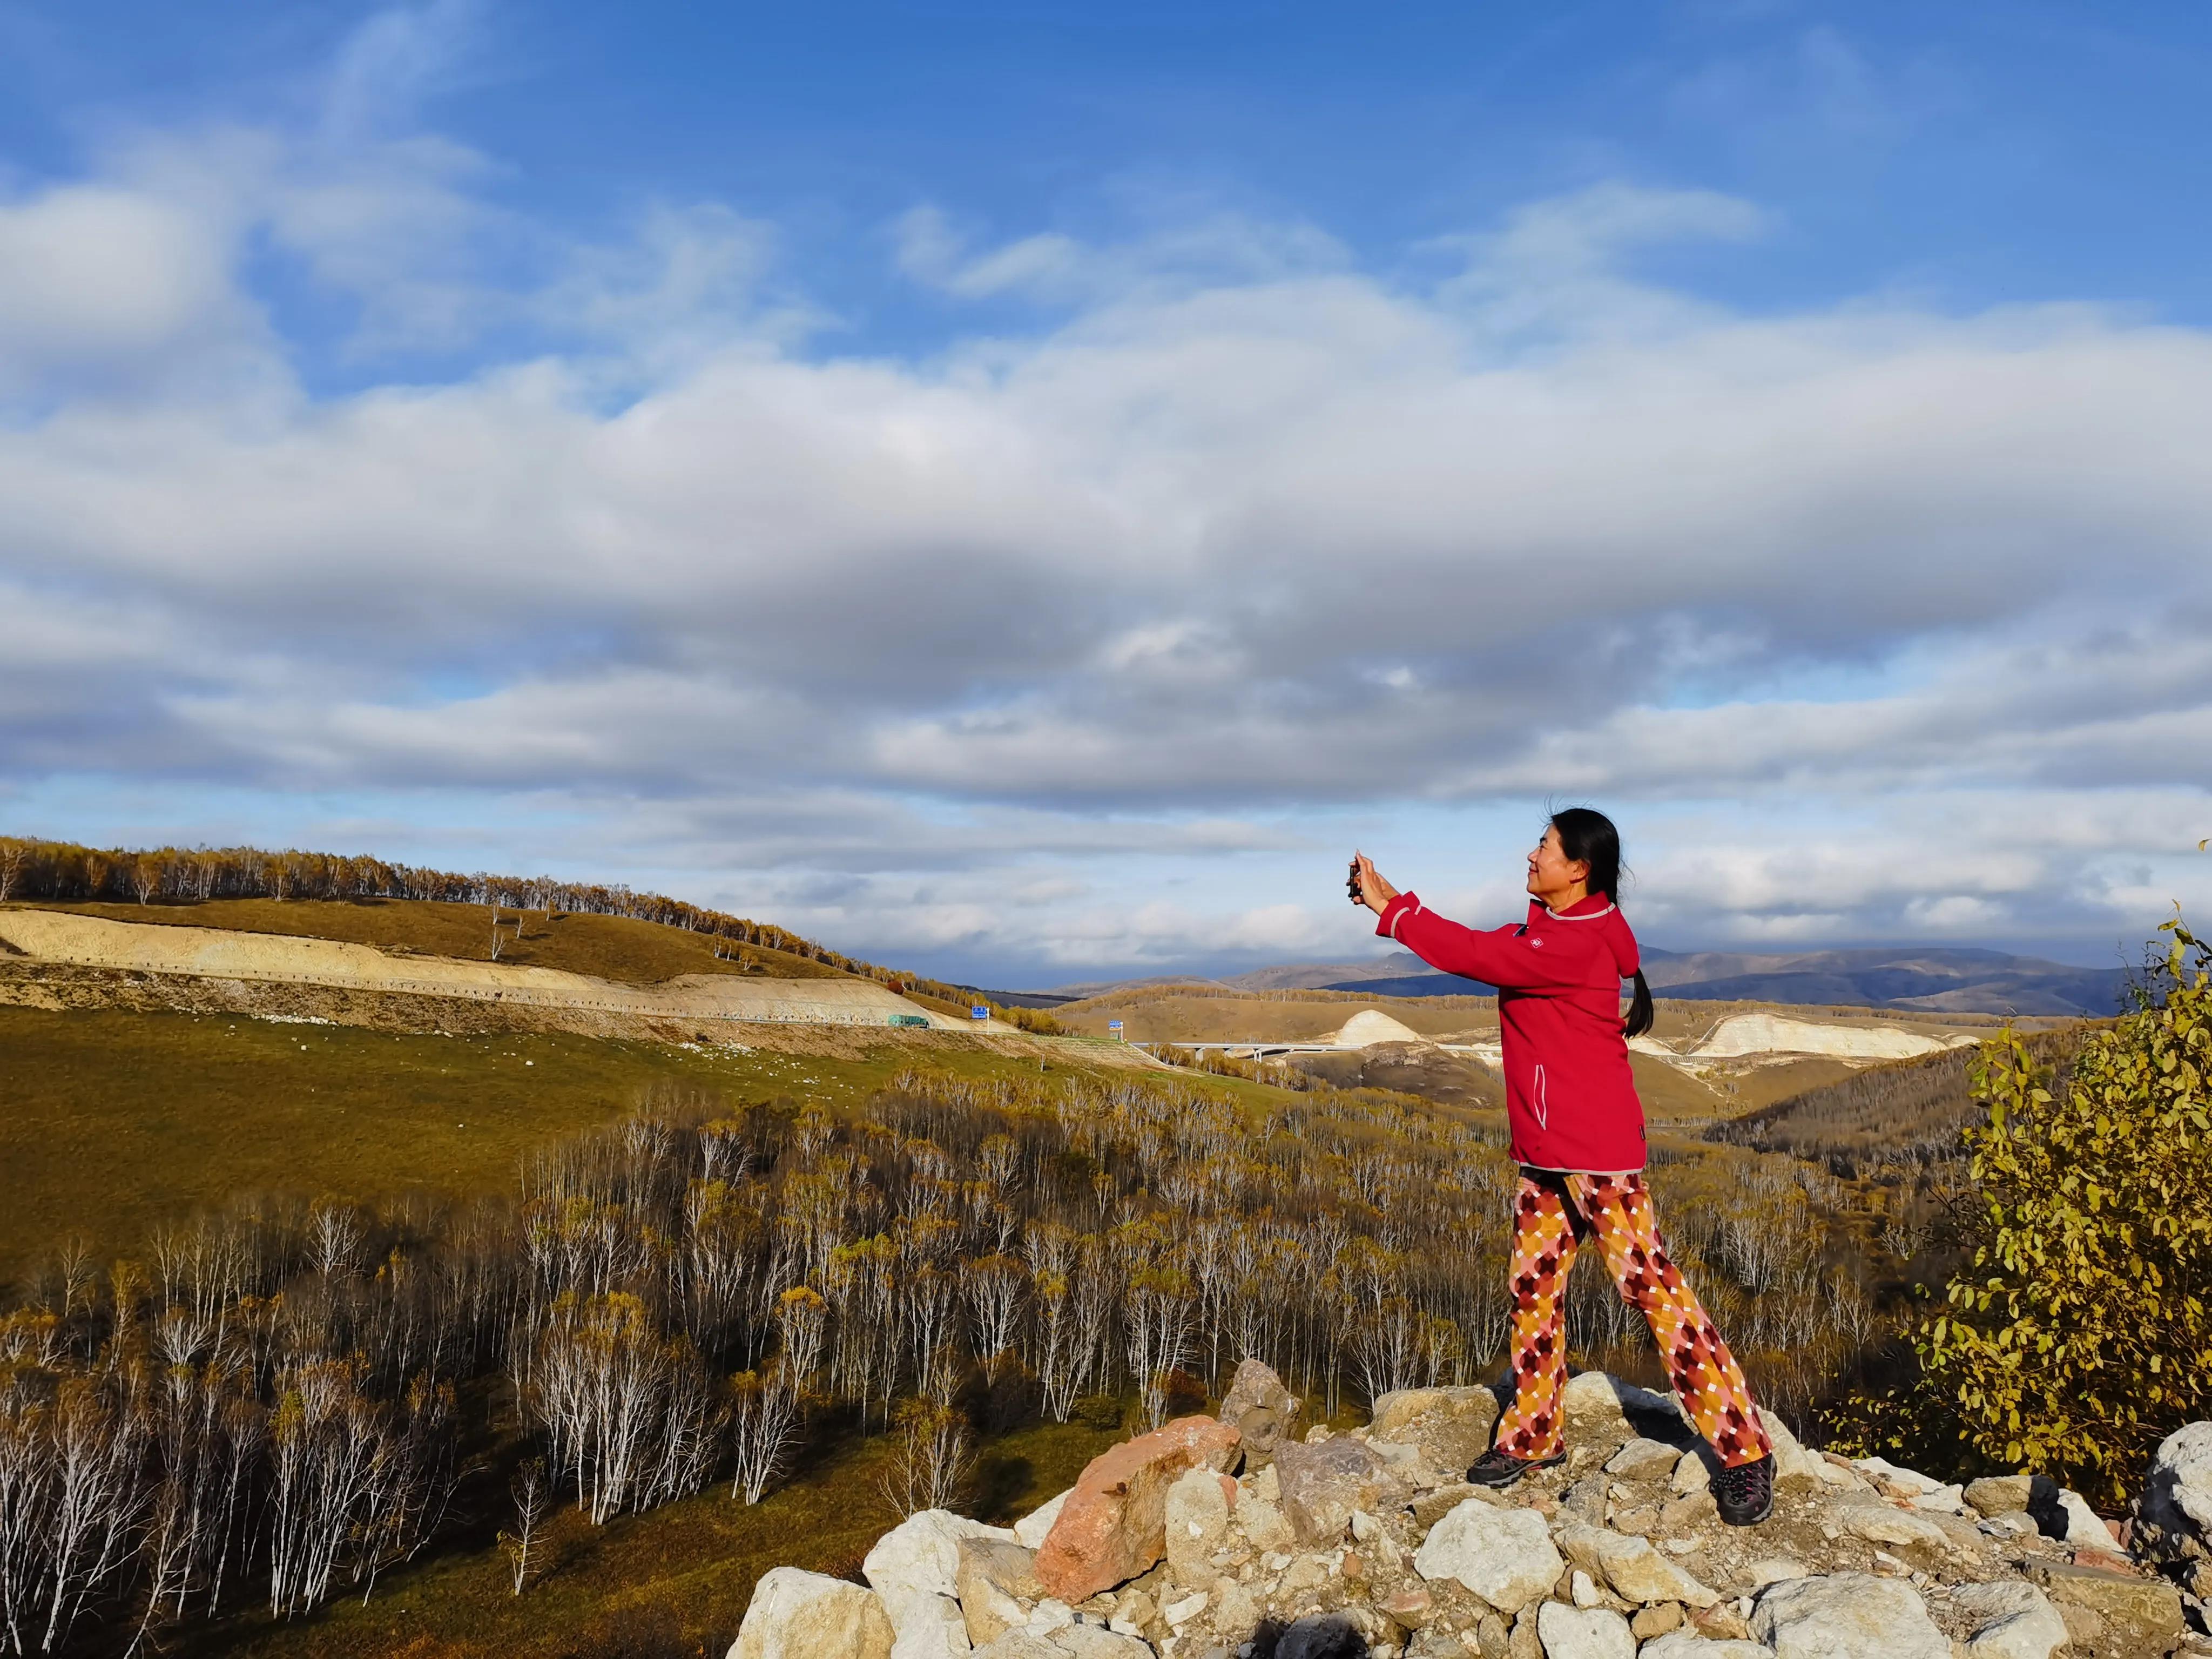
610	947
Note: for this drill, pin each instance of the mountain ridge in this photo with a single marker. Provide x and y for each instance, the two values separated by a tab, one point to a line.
1929	979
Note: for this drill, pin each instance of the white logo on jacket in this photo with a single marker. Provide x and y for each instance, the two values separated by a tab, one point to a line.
1542	1104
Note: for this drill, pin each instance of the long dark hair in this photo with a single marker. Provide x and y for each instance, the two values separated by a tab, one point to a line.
1588	835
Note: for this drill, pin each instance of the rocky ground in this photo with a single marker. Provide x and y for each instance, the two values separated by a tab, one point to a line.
1218	1538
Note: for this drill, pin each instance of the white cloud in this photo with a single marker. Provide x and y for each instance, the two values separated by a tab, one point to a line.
1245	533
105	287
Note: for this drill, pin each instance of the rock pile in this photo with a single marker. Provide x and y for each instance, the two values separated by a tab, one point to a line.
1369	1546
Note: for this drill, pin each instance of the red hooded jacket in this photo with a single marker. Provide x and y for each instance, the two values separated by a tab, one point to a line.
1570	1102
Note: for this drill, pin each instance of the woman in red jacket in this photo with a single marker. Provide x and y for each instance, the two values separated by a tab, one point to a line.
1577	1134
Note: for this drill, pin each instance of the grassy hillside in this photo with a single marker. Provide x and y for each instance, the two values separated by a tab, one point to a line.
608	947
1908	1112
133	1119
113	1122
671	1582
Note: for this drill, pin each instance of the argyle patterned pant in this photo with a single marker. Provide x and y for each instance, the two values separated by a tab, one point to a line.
1553	1213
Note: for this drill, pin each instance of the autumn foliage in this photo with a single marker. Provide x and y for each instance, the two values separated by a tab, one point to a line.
2082	1334
266	1407
63	873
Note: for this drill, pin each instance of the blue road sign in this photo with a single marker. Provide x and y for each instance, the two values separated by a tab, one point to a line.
979	1011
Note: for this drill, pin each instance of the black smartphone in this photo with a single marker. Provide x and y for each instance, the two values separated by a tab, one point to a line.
1351	884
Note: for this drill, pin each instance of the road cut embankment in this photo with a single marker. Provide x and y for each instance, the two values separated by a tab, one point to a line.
278	959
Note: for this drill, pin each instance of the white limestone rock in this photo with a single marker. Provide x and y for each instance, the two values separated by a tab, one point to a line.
1088	1641
1021	1644
1847	1616
1503	1556
1636	1571
1584	1632
1643	1460
1797	1469
796	1614
1030	1530
1691	1476
998	1588
2080	1523
1599	1409
2175	1510
1877	1522
1450	1427
1197	1522
2011	1620
1909	1483
1688	1644
914	1567
1775	1570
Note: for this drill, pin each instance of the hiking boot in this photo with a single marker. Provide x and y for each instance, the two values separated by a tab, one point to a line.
1746	1493
1495	1469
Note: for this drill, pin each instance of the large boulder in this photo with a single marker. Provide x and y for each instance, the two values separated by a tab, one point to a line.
1260	1409
1584	1632
2173	1516
1322	1486
1450	1427
2010	1621
1847	1616
915	1568
1113	1524
1504	1556
795	1614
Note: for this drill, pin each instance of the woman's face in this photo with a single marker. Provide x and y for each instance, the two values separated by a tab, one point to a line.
1552	873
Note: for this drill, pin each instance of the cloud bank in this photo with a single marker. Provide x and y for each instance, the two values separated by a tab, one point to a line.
1084	641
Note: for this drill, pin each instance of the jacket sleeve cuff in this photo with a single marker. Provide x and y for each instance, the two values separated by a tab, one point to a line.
1386	925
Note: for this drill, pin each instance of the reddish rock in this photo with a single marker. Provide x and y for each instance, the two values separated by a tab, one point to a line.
1114	1525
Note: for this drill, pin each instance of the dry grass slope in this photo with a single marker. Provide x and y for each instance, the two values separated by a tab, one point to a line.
112	1122
671	1583
606	947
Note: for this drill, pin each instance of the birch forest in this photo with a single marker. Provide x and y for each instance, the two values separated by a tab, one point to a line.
280	1403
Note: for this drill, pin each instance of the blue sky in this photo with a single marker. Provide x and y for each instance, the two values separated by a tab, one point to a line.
1016	490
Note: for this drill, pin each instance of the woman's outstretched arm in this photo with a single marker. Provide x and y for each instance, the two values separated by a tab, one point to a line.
1504	957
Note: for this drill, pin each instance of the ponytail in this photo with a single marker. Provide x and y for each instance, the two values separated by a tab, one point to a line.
1589	835
1639	1010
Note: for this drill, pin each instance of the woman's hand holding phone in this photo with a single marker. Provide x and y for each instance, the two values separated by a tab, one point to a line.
1367	887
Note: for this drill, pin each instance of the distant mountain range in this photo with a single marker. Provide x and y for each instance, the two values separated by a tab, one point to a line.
1931	979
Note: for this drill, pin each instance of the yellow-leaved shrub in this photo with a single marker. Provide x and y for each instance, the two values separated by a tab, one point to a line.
2082	1333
